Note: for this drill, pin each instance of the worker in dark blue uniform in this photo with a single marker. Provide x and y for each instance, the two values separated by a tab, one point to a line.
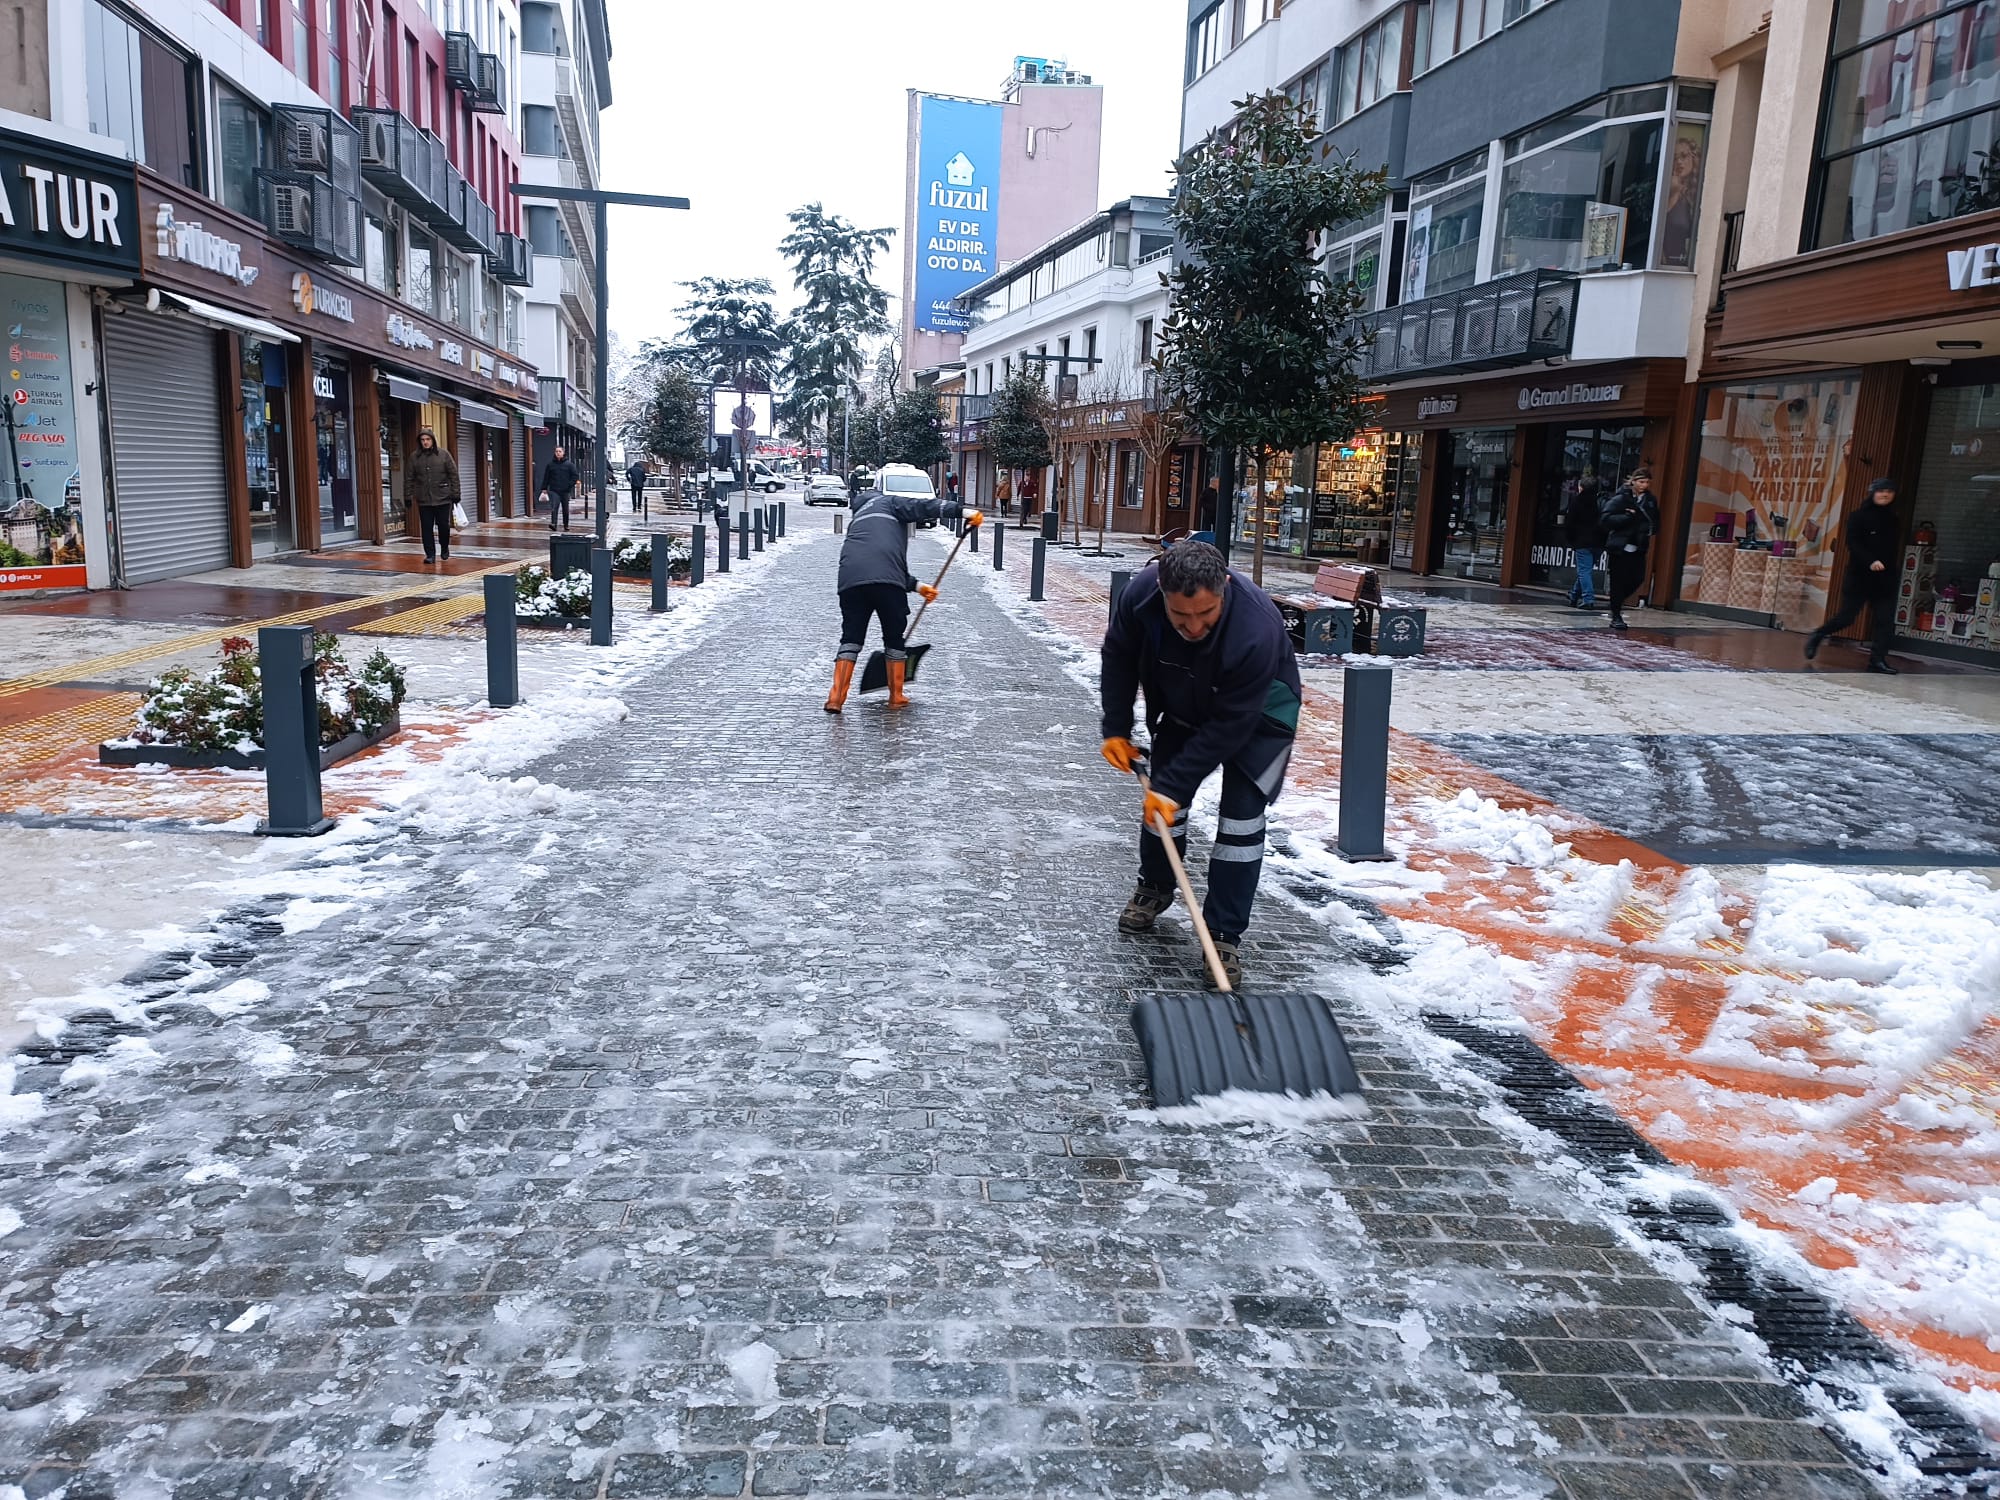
1210	651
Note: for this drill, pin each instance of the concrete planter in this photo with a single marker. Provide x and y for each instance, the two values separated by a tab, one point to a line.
184	759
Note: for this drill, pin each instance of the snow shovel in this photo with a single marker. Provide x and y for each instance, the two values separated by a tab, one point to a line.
1199	1046
876	674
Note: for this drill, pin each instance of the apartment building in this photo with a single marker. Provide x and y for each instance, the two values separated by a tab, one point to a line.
252	247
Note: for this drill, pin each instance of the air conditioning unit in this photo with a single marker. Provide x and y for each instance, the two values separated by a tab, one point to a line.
459	67
489	91
511	261
300	208
303	139
378	141
347	239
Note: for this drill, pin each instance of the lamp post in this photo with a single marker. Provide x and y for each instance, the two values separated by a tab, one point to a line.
600	201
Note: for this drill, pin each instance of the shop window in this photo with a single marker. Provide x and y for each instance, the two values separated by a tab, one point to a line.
142	92
1958	504
1355	485
1580	467
1912	108
1770	479
420	278
242	132
1482	466
1359	261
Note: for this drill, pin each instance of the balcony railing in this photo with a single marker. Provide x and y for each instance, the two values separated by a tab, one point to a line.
1515	320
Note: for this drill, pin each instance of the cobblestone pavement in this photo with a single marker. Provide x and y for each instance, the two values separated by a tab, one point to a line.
763	1122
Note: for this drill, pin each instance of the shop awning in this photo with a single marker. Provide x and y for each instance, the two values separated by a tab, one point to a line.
485	416
407	390
222	317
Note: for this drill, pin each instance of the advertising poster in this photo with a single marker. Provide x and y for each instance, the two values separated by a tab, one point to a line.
41	541
1417	257
958	206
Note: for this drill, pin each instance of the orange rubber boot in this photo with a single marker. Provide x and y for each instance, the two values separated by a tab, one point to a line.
898	670
843	676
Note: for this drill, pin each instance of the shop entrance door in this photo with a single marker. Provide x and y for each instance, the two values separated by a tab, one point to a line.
1482	466
1581	467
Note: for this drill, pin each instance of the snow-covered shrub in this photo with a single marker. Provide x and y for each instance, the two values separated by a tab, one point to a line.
223	708
540	597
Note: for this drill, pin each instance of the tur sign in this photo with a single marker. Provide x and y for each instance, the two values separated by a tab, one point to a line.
958	206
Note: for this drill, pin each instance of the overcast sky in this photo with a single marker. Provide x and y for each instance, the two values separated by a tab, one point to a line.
754	107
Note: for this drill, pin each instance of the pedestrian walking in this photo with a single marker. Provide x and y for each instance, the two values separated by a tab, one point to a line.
1630	518
1583	529
558	484
875	583
951	486
1870	579
430	482
1210	651
636	477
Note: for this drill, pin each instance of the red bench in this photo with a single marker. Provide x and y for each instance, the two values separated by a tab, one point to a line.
1312	618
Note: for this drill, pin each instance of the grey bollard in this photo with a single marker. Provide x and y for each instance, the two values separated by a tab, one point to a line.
784	517
743	536
757	528
600	596
661	581
290	682
1051	525
1364	762
771	521
699	547
999	545
839	522
972	541
722	542
1120	577
503	641
1038	569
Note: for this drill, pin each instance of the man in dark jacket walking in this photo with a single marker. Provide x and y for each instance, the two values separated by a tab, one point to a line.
1630	518
1870	580
636	477
430	482
875	583
1210	651
1583	529
558	484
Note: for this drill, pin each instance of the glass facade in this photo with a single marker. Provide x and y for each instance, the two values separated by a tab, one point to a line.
1770	476
1481	462
1334	499
1953	574
262	385
242	130
1912	106
1580	466
333	419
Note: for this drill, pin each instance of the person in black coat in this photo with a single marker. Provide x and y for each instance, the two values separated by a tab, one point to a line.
1870	580
636	477
558	484
1630	517
1583	529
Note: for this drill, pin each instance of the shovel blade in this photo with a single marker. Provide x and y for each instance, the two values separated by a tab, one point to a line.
875	675
1201	1046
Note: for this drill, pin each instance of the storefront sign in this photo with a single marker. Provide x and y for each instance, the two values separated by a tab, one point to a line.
451	351
187	241
41	457
312	299
1436	406
407	335
1979	266
481	362
1534	398
58	203
323	388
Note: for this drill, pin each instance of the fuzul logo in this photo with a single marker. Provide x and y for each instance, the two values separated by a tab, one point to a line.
956	190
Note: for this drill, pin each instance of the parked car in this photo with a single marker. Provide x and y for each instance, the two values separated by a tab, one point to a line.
905	479
826	489
761	478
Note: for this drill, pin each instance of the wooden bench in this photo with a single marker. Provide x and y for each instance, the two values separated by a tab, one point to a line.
1312	618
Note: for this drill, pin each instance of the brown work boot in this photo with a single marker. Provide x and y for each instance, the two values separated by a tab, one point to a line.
843	677
898	671
1146	905
1232	963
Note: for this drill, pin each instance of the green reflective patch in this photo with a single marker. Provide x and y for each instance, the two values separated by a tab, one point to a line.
1281	706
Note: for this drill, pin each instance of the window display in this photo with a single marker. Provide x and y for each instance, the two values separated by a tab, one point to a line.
41	522
333	417
1354	486
1769	483
1283	509
1482	465
1580	468
1952	549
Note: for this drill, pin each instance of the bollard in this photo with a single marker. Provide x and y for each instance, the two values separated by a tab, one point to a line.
1051	526
600	596
722	541
1038	569
839	522
771	521
290	681
972	541
757	528
661	582
784	517
742	536
503	641
1120	577
1364	762
699	548
999	545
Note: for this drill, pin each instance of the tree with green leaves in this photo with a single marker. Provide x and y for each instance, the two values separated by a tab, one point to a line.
833	265
1016	431
913	429
1259	347
731	332
675	428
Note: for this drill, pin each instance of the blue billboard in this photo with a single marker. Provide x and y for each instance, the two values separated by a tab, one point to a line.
958	206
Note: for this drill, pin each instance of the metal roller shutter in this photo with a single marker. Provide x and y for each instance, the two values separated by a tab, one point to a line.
468	467
166	447
518	435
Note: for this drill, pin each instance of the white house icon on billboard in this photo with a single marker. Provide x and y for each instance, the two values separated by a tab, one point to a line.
958	171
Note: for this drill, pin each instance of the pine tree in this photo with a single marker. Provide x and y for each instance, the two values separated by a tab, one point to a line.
833	265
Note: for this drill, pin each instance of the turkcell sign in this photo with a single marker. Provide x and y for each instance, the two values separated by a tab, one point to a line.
958	206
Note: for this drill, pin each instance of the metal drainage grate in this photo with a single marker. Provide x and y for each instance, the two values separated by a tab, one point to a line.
1810	1337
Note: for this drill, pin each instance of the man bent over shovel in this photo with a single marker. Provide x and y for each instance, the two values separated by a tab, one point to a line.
1211	652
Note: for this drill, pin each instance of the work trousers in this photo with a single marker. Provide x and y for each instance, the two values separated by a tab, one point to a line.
1236	861
1875	592
873	601
435	521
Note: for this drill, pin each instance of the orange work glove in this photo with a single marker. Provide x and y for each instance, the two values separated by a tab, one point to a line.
1159	807
926	593
975	518
1120	754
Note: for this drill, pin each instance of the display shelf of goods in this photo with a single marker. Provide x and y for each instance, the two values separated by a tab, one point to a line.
546	603
215	719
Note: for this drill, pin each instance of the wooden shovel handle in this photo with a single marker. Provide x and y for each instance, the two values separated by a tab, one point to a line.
912	630
1208	952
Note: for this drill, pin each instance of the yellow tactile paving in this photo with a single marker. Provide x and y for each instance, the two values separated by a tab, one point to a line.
426	618
55	735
